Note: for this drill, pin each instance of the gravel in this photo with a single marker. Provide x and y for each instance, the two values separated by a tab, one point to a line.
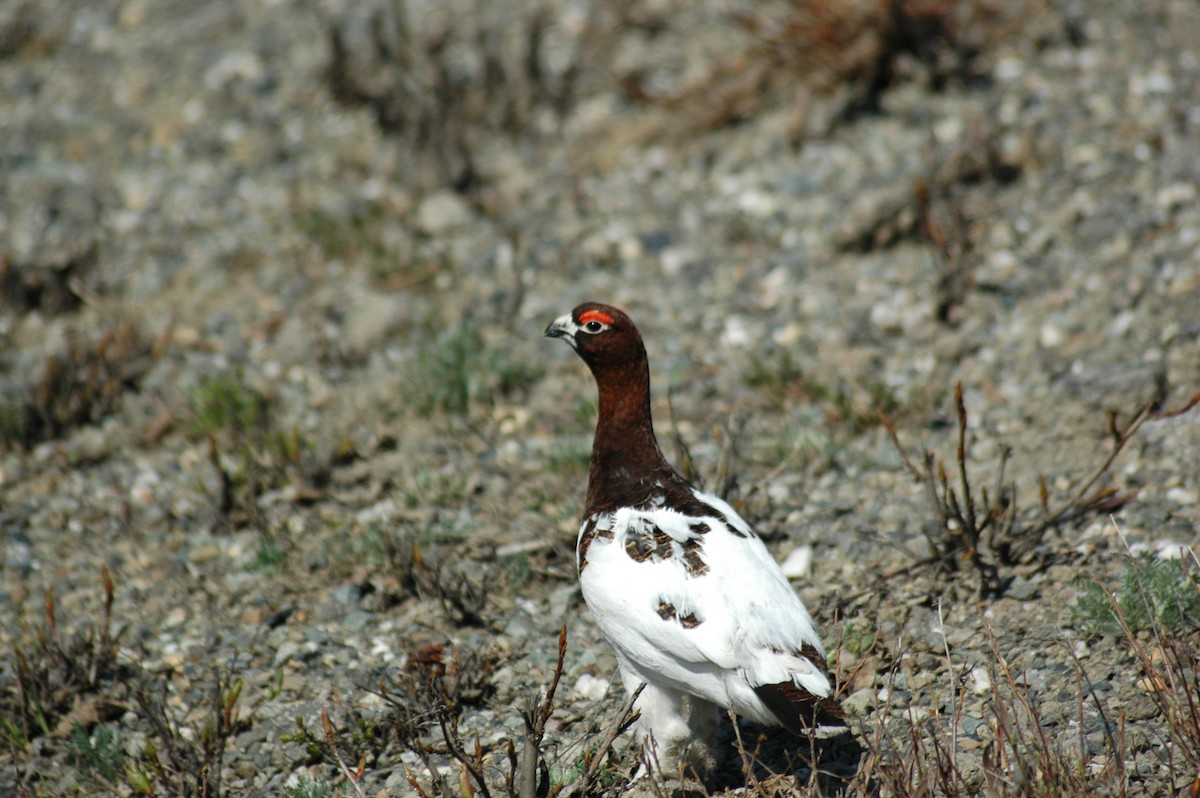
185	169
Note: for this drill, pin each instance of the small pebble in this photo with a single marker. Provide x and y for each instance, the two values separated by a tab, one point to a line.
441	212
860	702
1051	336
1182	496
1169	549
981	681
145	489
798	564
590	688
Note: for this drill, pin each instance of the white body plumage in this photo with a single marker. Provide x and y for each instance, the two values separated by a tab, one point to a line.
705	611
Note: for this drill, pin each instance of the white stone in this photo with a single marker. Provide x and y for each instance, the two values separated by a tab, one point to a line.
917	715
1182	496
442	211
860	702
590	688
1050	336
145	489
1169	549
1175	195
1008	68
948	130
735	333
981	681
1159	82
758	204
1122	323
371	319
798	564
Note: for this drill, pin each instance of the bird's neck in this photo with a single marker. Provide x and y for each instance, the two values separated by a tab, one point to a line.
627	462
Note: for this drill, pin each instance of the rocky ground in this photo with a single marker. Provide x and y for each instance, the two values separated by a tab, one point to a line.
273	276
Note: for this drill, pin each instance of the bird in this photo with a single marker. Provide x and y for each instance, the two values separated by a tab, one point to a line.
686	593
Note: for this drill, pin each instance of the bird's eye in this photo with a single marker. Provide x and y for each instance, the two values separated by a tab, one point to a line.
594	321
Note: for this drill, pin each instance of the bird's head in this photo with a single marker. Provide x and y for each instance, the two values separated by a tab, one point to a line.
602	335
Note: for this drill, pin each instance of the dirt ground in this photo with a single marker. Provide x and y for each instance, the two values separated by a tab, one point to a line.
280	435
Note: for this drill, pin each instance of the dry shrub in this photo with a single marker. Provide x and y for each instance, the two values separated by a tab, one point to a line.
78	386
872	44
854	49
987	531
51	286
60	677
444	80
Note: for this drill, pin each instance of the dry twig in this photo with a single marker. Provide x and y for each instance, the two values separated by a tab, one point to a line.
983	530
533	773
353	777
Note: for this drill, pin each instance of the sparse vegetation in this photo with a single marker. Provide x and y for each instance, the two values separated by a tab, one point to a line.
344	238
990	535
360	738
529	772
462	595
99	754
853	408
250	452
78	386
53	669
917	753
269	556
179	762
314	788
225	405
456	371
428	695
1172	680
52	286
1021	758
1154	595
937	212
858	638
77	687
869	47
570	456
531	65
367	238
21	35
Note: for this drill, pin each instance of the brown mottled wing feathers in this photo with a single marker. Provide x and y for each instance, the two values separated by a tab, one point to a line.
797	709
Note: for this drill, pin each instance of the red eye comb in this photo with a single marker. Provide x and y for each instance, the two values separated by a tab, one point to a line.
596	315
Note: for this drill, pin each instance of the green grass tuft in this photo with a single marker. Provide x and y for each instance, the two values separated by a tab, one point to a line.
99	753
269	558
1154	594
251	452
225	404
313	788
457	371
857	638
570	456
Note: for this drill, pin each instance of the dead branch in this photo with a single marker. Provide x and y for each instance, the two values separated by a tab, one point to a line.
985	531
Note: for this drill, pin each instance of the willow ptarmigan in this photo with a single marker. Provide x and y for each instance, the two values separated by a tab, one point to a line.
689	597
